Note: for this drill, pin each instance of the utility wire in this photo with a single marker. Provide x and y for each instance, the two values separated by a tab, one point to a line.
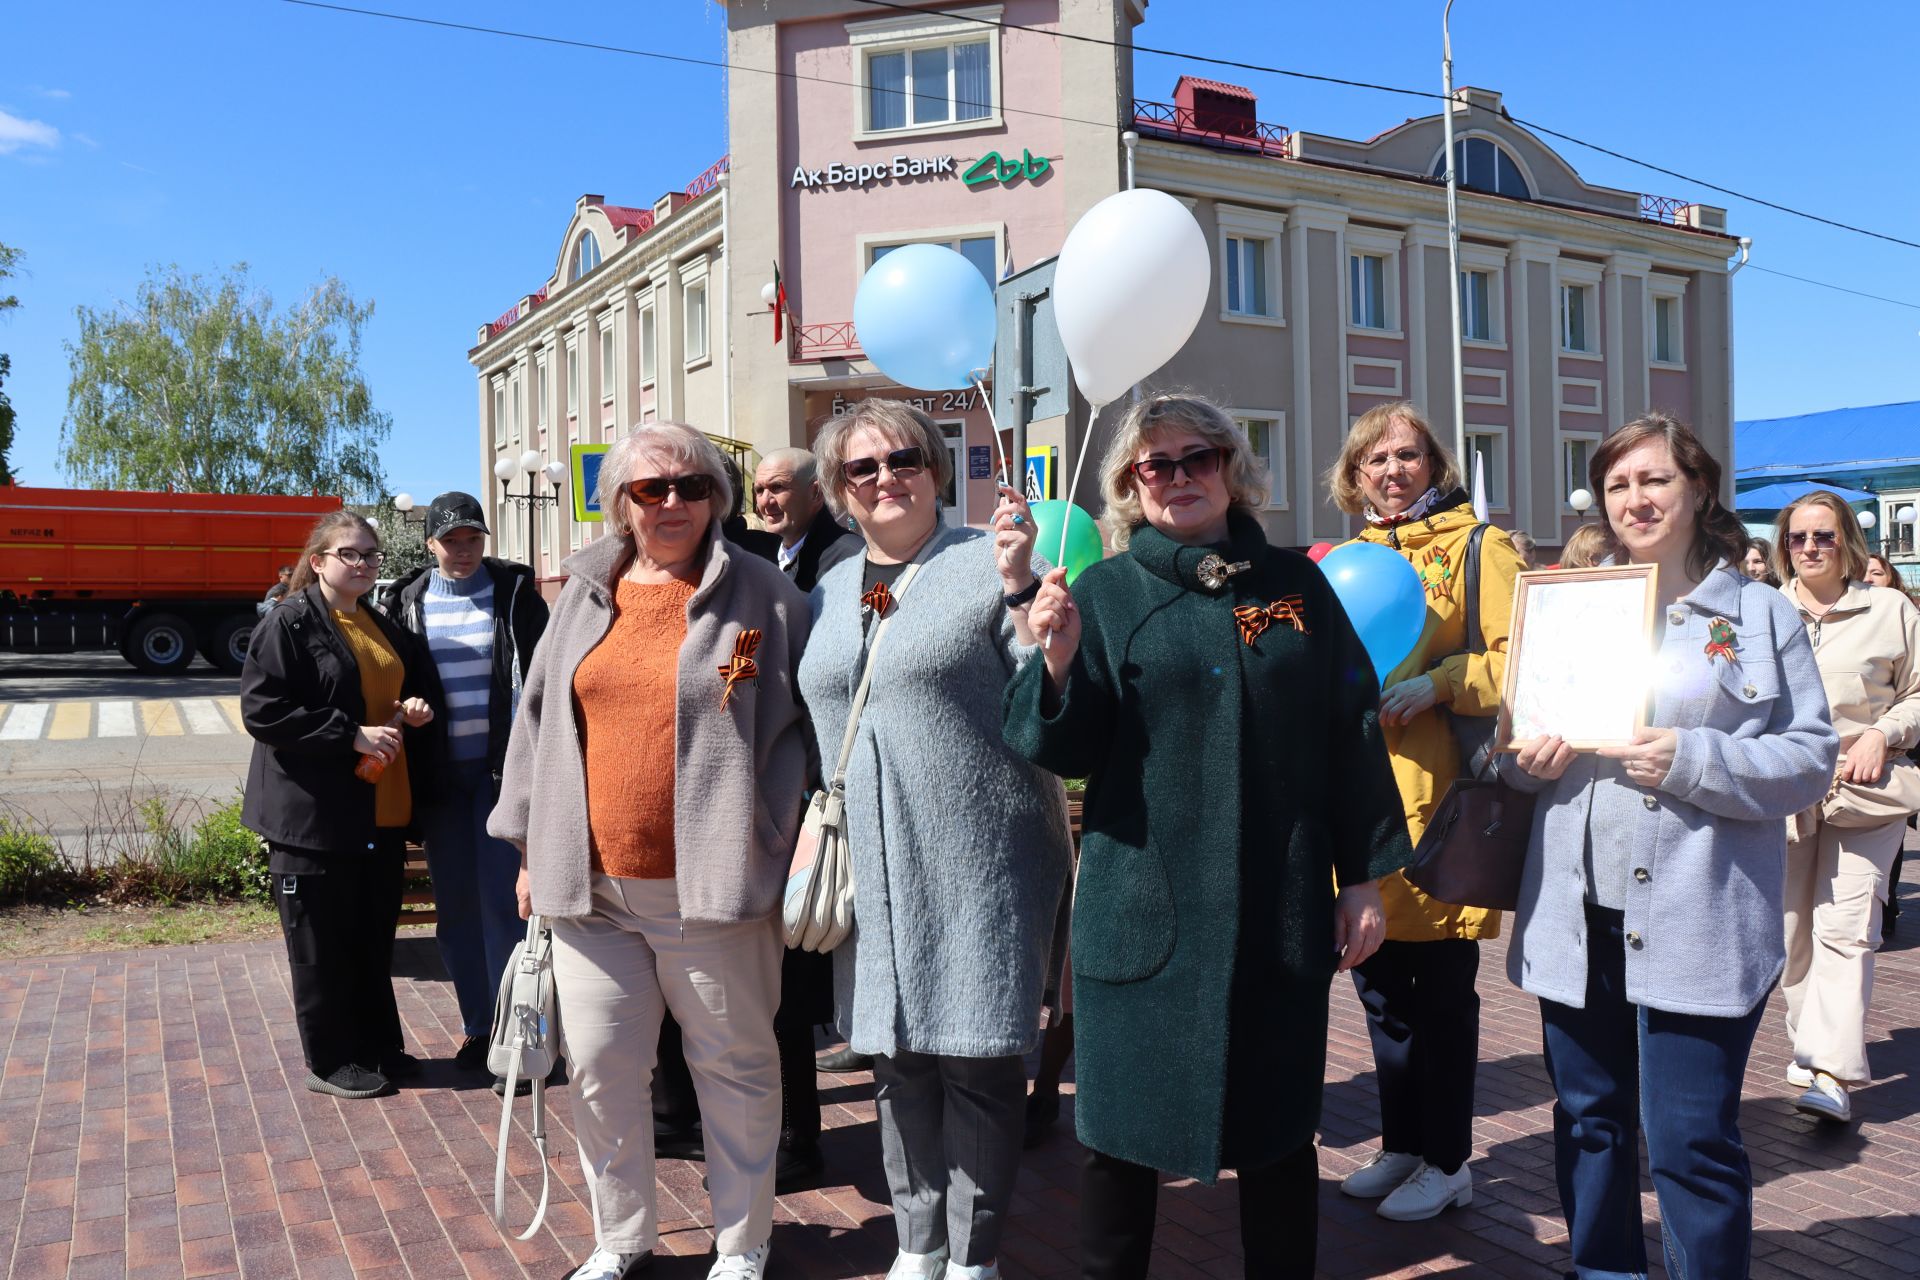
1387	88
1615	223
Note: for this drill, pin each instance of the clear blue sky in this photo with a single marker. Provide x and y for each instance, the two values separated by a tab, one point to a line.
434	171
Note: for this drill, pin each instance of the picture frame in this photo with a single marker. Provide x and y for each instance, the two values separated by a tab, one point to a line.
1579	656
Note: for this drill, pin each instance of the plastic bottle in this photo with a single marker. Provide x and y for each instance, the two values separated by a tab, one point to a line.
371	767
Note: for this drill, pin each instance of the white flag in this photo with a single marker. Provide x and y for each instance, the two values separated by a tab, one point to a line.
1479	486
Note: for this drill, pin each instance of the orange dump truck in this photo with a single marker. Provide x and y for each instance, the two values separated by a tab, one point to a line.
160	576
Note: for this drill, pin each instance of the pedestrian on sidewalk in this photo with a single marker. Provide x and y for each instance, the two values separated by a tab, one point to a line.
960	847
481	618
1240	808
1841	852
1423	1013
1649	903
653	786
340	700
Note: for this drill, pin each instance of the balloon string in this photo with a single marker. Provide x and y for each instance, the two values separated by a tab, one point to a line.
1079	464
993	421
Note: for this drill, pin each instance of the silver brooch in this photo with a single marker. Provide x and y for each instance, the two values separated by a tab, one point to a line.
1213	570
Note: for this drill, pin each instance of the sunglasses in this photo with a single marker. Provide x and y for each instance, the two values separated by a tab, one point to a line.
1198	465
1825	539
860	472
651	493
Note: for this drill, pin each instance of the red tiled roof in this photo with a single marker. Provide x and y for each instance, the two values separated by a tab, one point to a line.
1216	86
623	216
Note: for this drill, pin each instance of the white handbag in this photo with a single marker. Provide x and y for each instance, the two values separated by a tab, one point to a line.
818	908
525	1045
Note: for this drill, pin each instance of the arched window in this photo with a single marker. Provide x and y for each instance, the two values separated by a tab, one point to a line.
1485	166
586	256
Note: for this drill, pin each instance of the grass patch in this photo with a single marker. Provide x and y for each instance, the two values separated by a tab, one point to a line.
41	930
155	853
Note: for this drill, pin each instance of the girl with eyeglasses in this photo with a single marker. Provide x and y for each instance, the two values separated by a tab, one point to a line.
1240	808
960	847
1841	853
340	702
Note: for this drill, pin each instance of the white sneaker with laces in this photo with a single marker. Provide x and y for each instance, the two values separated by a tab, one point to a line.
985	1271
1798	1076
1427	1194
919	1266
1380	1175
750	1265
1825	1099
605	1264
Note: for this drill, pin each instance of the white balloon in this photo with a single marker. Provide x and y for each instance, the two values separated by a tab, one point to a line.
1130	287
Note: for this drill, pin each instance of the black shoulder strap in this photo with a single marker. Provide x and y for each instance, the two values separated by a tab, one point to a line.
1475	642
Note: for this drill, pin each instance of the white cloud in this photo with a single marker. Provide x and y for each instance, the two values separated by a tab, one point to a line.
16	133
58	94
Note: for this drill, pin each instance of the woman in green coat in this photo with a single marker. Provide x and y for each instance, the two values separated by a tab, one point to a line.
1212	691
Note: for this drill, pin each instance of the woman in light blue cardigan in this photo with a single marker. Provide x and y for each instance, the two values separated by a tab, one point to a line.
960	847
1649	916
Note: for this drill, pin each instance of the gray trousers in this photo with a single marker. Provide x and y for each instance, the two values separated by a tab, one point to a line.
951	1132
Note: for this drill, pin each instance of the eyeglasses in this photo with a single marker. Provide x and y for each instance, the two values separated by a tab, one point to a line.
1825	539
903	463
353	556
1201	464
651	493
1378	462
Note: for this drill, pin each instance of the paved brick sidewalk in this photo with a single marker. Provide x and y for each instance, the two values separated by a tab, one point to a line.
152	1124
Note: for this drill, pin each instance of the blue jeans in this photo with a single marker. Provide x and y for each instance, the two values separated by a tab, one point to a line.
473	875
1597	1057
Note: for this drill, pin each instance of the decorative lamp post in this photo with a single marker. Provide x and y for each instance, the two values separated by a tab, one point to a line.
403	503
1867	521
529	463
1582	502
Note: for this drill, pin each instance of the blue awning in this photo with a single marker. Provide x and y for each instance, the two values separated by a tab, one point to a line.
1871	438
1772	497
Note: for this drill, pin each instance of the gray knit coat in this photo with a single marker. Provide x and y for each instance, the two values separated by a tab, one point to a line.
960	848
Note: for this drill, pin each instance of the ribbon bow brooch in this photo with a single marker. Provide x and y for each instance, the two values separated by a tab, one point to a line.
741	666
878	601
1254	619
1720	641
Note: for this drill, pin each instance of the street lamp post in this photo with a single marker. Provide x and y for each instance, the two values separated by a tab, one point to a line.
1582	502
1867	521
529	463
403	503
1453	236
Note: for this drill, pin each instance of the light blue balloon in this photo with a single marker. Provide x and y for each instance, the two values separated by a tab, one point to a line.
924	316
1383	598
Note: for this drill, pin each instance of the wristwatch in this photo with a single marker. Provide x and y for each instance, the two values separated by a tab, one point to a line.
1024	595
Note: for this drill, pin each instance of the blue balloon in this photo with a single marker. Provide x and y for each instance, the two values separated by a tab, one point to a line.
924	316
1382	595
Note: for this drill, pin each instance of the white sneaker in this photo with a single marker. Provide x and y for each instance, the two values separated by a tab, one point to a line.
1378	1176
605	1264
919	1266
1825	1099
750	1265
1798	1076
1427	1194
985	1271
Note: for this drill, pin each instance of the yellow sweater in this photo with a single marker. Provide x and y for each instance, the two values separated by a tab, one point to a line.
1425	756
381	675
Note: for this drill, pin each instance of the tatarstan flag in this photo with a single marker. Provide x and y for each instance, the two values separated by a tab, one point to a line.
779	304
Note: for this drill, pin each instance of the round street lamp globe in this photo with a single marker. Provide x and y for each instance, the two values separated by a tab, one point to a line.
1580	500
504	470
769	293
1904	515
530	461
403	502
556	472
1868	520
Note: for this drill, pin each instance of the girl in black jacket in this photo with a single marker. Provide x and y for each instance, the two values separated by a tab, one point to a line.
328	686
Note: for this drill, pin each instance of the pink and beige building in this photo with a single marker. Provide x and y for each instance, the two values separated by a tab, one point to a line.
982	129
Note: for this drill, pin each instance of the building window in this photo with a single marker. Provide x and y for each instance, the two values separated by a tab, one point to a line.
586	256
513	408
929	84
1487	447
1247	276
648	365
499	413
606	362
1485	166
573	379
1476	305
953	498
1266	437
696	322
1575	452
1367	285
1576	317
979	250
1666	327
540	392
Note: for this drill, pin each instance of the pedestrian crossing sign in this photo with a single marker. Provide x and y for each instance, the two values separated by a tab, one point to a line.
1040	462
586	460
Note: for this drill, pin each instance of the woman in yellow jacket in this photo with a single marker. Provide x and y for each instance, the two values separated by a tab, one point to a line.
1423	1013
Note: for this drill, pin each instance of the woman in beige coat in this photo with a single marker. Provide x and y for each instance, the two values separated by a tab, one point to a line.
1866	641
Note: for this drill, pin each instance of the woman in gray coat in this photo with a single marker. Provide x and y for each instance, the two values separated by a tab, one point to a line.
960	848
1649	915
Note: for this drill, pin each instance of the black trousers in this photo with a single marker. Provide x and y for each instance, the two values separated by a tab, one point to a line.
1423	1016
338	912
1279	1217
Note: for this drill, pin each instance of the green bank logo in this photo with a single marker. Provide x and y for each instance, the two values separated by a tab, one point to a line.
991	168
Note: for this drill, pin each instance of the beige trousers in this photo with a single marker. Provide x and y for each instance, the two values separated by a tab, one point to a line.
1836	888
614	972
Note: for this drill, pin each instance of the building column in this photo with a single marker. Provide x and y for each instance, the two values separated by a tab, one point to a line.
1624	287
669	340
1316	324
1535	347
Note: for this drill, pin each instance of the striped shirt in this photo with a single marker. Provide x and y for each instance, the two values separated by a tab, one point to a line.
459	617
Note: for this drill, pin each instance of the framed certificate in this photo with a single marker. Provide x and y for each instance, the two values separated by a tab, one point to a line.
1579	660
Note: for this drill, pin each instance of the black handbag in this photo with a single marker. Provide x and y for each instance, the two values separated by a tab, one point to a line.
1473	851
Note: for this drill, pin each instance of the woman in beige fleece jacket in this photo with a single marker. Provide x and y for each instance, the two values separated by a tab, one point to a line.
1866	641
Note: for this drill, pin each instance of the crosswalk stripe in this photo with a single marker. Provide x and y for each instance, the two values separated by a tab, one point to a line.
115	721
160	719
202	716
232	707
71	720
24	721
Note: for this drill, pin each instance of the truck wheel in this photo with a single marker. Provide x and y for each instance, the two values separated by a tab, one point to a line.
160	644
228	649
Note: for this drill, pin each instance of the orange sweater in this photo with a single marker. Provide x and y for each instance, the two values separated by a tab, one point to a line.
624	699
381	675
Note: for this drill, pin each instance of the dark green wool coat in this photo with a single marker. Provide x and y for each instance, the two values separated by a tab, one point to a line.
1228	784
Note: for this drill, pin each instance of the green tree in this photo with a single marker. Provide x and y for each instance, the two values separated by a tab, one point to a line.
404	541
9	259
201	385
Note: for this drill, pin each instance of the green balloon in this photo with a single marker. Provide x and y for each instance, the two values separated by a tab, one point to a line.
1082	530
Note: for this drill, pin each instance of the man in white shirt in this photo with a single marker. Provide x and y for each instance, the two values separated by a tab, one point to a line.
787	496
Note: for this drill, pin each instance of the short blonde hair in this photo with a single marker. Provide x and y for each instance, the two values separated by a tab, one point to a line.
1343	477
1151	417
1589	545
672	444
900	425
1852	540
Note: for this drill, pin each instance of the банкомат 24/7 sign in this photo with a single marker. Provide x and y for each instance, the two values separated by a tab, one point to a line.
988	170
